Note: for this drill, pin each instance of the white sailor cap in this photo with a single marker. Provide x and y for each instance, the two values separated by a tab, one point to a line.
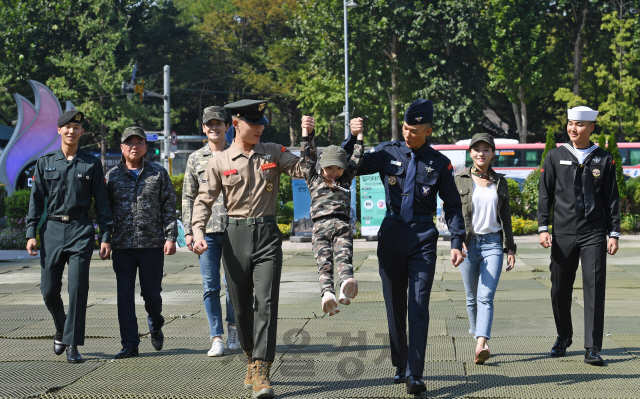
582	113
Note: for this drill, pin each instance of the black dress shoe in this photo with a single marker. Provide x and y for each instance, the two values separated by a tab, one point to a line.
400	377
126	353
73	356
592	357
560	347
157	339
58	346
415	385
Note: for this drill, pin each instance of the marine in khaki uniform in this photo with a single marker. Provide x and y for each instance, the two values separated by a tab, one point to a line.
248	174
69	179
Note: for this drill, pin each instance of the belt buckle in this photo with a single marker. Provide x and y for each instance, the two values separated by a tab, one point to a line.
251	220
64	218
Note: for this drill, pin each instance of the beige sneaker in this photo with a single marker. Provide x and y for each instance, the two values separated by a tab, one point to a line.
348	291
217	348
251	371
329	304
261	384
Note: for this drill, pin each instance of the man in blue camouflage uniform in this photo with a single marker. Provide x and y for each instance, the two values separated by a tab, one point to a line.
413	174
69	179
144	213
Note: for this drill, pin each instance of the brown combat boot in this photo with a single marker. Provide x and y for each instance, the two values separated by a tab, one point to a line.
261	384
251	371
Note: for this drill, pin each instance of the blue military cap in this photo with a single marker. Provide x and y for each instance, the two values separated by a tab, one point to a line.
420	111
251	111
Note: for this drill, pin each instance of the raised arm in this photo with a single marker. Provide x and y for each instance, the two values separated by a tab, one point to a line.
309	155
290	164
358	150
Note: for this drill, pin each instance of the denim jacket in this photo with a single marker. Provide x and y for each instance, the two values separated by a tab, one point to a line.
464	183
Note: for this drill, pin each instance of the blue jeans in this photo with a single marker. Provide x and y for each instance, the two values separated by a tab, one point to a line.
210	271
481	272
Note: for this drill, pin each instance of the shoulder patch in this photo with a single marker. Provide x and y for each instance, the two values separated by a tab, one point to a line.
283	149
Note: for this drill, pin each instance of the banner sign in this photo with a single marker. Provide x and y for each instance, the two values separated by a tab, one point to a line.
372	204
302	224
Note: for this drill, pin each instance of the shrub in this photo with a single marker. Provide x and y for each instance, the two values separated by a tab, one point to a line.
284	212
629	222
515	199
285	229
522	226
3	193
13	237
530	193
178	181
17	206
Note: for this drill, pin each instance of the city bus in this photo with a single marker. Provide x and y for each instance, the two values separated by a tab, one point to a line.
517	160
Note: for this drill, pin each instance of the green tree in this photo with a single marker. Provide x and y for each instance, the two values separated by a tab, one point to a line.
549	145
602	141
613	150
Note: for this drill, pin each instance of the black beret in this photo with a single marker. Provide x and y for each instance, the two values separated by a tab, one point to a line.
251	111
419	112
70	116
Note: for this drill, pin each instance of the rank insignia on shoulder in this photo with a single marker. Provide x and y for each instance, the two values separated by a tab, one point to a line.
269	187
283	149
450	166
596	172
597	160
230	172
426	190
392	180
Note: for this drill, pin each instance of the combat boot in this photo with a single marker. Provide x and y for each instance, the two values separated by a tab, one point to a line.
251	371
261	384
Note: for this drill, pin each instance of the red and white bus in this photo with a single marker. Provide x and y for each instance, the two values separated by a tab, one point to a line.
518	160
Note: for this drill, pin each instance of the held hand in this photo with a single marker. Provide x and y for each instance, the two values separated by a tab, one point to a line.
105	251
308	123
456	257
189	239
511	260
612	246
32	247
305	132
545	239
169	248
357	127
200	247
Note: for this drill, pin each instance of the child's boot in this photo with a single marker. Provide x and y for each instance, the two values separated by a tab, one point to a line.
348	291
329	304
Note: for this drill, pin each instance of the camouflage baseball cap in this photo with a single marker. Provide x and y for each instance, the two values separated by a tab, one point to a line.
334	156
487	138
133	131
215	112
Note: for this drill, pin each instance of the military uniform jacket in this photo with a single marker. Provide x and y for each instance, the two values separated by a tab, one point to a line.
249	182
193	176
434	175
69	187
144	209
327	201
563	180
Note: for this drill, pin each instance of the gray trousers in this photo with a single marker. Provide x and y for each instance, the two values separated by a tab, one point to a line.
252	259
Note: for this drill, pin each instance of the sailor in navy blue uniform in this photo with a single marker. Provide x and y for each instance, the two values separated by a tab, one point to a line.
413	174
578	181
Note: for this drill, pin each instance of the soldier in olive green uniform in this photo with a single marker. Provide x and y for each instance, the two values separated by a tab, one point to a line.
248	174
214	125
69	178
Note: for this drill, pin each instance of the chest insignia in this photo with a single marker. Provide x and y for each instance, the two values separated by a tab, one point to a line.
392	180
230	172
429	169
266	166
49	169
269	187
596	172
597	160
267	157
79	174
426	190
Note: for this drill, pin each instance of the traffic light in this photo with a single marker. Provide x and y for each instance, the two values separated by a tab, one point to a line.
157	151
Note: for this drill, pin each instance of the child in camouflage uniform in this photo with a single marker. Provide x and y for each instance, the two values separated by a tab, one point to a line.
329	183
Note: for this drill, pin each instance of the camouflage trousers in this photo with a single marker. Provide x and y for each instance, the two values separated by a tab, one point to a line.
332	243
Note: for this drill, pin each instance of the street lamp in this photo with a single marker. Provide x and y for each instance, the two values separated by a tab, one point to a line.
345	111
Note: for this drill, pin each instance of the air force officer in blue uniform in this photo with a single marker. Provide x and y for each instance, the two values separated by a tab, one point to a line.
413	174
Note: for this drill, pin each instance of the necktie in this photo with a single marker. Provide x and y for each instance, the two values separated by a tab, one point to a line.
406	209
583	190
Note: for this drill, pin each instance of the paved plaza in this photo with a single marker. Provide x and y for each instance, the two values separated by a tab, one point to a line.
343	356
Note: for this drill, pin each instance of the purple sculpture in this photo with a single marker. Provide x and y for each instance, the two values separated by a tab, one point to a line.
35	134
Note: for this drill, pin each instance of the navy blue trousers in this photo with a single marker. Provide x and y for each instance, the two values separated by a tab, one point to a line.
126	263
407	258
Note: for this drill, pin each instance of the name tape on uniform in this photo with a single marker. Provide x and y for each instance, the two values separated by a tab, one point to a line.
396	163
230	172
563	162
269	165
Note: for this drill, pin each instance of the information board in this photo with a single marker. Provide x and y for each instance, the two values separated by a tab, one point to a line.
372	204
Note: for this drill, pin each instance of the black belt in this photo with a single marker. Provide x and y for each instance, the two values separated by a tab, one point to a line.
66	218
261	219
340	216
418	218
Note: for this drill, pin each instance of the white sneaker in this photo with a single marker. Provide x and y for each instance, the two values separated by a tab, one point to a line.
217	348
348	291
329	304
233	343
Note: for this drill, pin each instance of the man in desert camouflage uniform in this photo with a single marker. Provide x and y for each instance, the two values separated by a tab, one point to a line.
214	125
329	183
143	203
